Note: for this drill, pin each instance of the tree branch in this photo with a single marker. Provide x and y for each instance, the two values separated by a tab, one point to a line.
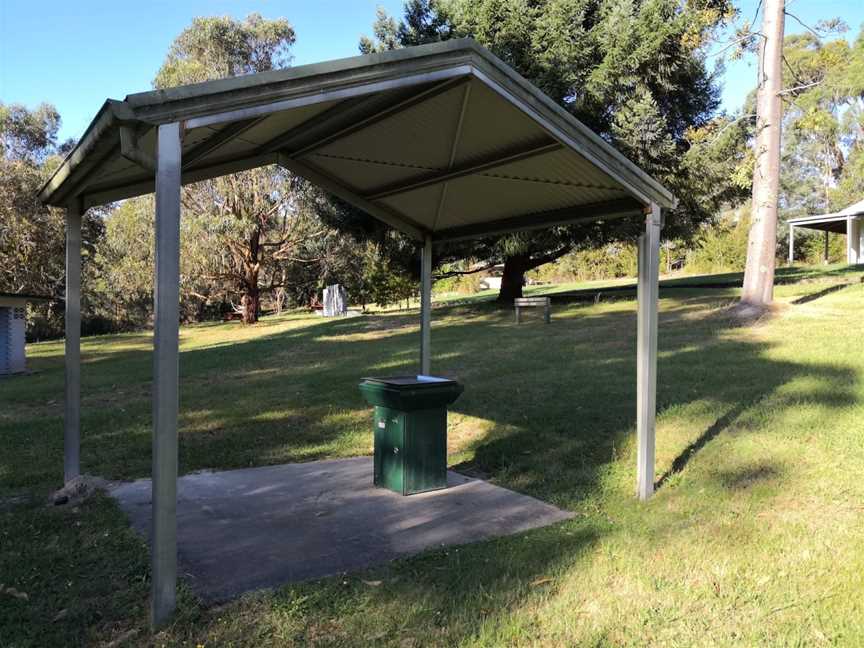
722	130
807	27
801	87
548	258
458	273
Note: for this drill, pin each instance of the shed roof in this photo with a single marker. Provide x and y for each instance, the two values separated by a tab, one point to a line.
442	139
833	222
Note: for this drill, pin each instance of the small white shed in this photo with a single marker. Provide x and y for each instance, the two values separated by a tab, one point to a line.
13	320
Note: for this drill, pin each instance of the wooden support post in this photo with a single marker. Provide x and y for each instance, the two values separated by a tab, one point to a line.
166	289
426	307
72	407
646	351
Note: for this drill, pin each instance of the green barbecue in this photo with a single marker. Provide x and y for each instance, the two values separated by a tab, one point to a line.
410	424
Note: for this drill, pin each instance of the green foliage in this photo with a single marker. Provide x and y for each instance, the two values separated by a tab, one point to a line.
383	282
28	135
723	247
220	46
424	21
823	124
125	262
588	263
457	277
633	71
850	188
32	236
810	247
125	259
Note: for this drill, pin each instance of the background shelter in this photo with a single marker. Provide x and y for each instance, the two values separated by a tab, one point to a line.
13	330
847	221
441	141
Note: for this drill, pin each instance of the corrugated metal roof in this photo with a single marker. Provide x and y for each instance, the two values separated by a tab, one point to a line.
393	133
853	210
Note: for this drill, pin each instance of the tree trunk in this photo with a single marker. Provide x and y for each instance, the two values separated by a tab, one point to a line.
251	300
251	303
280	300
513	278
762	241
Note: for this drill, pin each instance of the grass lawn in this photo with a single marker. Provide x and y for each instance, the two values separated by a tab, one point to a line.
755	535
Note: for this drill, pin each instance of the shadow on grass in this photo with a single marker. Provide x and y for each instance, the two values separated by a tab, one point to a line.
749	476
680	462
806	299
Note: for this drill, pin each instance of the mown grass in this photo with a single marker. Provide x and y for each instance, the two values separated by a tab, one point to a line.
755	535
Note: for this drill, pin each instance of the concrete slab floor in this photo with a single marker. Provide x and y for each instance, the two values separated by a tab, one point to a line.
242	530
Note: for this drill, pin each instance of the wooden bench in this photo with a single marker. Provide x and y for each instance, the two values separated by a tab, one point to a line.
533	302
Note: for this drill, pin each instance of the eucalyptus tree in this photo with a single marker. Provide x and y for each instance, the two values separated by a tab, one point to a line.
32	236
823	134
249	215
758	288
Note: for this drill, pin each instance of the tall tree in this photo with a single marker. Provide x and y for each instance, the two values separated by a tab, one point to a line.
634	71
823	121
252	211
32	236
758	287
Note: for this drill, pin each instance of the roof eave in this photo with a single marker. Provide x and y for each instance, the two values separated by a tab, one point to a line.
824	218
101	124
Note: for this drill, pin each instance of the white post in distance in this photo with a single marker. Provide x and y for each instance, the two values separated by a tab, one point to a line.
853	241
166	297
426	307
791	244
646	350
72	396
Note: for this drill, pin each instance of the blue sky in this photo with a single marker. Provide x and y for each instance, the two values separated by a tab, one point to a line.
75	54
740	76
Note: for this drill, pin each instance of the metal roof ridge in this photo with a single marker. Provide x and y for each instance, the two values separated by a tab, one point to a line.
244	81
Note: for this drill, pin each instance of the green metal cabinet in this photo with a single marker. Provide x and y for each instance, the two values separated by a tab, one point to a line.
410	431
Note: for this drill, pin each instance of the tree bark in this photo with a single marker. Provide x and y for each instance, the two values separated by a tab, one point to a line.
251	302
251	299
758	287
513	278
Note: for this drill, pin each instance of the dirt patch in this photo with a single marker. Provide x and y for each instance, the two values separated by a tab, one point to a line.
744	314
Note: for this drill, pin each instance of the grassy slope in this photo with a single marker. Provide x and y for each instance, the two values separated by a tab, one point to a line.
756	535
837	273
